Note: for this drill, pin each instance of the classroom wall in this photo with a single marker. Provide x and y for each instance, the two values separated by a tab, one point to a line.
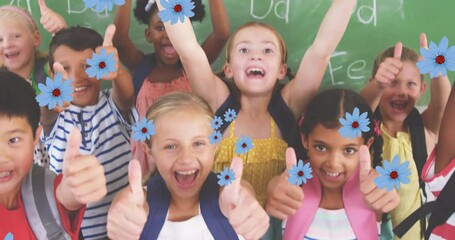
375	25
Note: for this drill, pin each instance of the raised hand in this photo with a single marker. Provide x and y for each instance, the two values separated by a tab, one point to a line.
378	199
241	208
51	21
283	198
83	176
58	68
109	64
129	209
390	68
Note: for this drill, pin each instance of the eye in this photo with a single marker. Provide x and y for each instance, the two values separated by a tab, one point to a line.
160	28
393	83
243	50
17	36
320	148
85	66
350	150
198	143
170	147
268	50
66	68
412	84
13	140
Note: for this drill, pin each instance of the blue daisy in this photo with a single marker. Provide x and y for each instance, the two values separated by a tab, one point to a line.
103	4
143	130
243	145
55	92
175	10
9	236
101	64
437	59
216	123
229	115
215	137
354	124
393	174
300	173
227	176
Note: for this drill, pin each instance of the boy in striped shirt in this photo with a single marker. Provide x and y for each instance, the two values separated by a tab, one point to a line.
104	117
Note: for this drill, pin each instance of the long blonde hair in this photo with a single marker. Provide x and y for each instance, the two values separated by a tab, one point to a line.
23	16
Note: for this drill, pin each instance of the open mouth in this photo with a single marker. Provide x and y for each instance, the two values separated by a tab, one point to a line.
169	51
11	54
398	105
332	176
5	176
186	178
255	72
80	90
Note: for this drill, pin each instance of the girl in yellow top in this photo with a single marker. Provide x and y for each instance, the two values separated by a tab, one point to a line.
393	92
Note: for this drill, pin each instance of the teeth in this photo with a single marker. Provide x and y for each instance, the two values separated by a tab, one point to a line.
255	71
11	54
187	172
333	174
78	89
5	174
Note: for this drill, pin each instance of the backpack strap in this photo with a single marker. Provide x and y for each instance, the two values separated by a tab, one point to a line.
41	207
40	74
146	65
441	209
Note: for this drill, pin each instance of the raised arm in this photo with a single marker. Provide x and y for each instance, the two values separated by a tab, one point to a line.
214	43
445	151
195	62
128	53
51	21
312	67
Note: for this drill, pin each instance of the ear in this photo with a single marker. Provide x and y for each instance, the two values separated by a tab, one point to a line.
37	135
36	38
370	142
227	71
304	140
283	71
423	88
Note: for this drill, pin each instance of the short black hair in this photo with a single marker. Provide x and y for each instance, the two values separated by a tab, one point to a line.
144	16
17	99
77	38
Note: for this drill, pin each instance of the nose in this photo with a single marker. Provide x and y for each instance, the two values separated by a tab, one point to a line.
77	74
255	55
334	159
401	90
7	42
186	155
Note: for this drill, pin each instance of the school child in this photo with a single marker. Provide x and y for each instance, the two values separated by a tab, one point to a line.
161	72
104	117
19	41
340	200
438	175
392	94
184	201
256	61
34	202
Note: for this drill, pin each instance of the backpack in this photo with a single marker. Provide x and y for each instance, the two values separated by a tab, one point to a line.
38	198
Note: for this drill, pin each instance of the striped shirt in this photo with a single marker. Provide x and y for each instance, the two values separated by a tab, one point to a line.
105	134
436	183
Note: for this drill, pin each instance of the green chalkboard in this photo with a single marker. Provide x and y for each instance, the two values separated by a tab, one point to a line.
374	25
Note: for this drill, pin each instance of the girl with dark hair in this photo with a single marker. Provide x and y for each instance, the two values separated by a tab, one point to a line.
161	72
392	93
341	201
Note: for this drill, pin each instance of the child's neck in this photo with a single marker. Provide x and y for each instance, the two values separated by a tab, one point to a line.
332	199
25	71
183	209
253	106
393	127
10	200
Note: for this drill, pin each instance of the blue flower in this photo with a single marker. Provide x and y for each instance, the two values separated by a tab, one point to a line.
216	123
229	115
227	176
101	64
9	236
243	145
392	174
103	4
437	59
143	130
354	124
215	137
300	174
55	92
175	10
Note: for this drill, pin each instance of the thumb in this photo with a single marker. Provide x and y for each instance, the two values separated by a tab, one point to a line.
291	159
398	50
135	179
231	192
108	35
58	68
42	6
423	41
365	163
72	148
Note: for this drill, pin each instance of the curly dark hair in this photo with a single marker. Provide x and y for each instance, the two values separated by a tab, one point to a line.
144	16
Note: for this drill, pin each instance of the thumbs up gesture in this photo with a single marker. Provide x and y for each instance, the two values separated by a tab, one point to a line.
51	21
390	68
239	205
83	176
284	198
129	209
378	199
